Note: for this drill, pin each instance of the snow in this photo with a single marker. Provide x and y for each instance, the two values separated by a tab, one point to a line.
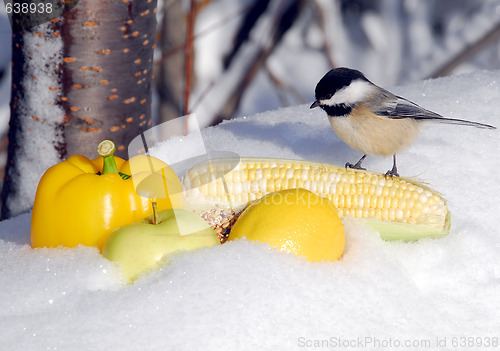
241	295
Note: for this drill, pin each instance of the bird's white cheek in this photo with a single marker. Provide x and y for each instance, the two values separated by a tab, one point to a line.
353	93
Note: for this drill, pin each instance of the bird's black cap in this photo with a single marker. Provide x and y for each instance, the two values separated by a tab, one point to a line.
335	80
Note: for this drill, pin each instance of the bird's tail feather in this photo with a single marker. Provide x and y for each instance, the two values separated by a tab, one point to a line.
458	121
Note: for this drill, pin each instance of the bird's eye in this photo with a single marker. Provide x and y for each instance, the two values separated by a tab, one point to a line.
328	96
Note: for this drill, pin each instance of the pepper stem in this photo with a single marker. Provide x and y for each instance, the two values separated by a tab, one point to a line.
155	212
105	149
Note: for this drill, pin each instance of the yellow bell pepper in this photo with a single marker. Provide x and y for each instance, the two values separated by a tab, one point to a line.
81	201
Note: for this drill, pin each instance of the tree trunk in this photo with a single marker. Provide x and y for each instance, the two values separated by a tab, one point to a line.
107	73
170	79
76	80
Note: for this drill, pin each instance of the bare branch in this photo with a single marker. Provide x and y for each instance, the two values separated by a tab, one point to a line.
222	101
468	52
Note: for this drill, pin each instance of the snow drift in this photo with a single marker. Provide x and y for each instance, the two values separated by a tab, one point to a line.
431	294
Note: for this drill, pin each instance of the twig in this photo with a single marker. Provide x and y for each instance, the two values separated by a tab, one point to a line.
327	49
282	19
468	52
279	86
282	87
202	95
231	16
189	64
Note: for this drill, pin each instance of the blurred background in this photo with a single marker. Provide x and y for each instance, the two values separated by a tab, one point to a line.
227	58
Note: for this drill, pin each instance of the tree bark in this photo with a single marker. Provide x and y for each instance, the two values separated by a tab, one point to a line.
107	73
35	127
76	80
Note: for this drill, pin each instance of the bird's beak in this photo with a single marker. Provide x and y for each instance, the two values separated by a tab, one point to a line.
315	104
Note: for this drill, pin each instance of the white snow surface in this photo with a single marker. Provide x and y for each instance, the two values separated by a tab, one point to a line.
427	295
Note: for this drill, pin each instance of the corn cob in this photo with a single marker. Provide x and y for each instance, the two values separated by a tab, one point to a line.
397	208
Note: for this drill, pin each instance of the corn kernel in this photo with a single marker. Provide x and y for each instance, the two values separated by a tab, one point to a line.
356	193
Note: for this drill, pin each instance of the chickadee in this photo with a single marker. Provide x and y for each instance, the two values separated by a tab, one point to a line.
371	119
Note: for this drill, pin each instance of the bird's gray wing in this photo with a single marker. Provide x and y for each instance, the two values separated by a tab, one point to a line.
396	107
392	106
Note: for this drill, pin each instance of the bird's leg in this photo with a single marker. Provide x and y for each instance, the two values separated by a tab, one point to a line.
394	171
357	165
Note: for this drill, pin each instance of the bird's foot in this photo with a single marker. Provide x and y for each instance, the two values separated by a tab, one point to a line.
392	173
355	166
